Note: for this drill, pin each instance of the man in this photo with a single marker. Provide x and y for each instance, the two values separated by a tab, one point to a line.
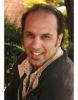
44	72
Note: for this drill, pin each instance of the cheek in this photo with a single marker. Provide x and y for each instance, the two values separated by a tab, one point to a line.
47	47
50	48
27	43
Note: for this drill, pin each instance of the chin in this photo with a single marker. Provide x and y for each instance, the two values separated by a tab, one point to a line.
36	63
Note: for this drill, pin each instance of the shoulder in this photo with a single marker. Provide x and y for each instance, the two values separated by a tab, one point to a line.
59	72
57	78
59	66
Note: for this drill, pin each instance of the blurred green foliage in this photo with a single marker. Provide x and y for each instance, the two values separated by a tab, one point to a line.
12	33
11	54
13	44
12	47
29	3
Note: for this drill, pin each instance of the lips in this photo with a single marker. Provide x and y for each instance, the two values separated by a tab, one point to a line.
36	55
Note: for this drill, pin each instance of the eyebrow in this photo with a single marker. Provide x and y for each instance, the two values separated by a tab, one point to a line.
46	34
29	32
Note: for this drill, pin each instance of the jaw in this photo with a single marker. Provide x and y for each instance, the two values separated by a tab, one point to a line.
37	60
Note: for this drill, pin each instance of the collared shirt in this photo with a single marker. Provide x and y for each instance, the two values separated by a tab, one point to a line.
30	82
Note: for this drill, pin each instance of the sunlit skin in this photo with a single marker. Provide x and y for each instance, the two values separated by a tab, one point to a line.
41	39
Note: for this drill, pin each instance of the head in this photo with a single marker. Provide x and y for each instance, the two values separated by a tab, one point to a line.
42	27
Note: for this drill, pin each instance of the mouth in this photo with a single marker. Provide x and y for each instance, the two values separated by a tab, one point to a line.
36	55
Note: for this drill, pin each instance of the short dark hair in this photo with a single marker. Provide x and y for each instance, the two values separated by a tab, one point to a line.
45	8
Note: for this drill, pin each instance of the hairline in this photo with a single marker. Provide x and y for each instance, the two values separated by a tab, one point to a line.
46	9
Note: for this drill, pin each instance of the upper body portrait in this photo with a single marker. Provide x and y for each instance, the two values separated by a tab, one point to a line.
44	71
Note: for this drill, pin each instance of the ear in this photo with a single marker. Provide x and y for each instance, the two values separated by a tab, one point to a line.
60	37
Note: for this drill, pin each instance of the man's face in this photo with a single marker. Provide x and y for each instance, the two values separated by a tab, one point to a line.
41	39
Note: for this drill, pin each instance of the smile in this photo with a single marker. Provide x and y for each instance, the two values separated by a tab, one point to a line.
36	54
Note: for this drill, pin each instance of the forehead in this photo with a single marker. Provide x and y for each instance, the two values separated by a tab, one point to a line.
40	15
41	21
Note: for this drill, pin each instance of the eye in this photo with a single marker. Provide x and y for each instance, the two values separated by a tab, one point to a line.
29	35
46	37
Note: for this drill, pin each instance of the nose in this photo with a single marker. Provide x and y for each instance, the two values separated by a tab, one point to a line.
36	44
